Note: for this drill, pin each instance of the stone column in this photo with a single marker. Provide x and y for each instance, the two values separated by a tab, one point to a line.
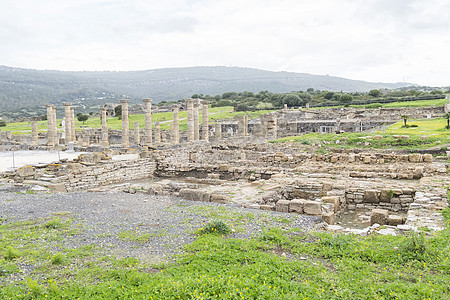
307	106
137	139
105	138
50	141
55	128
34	133
190	119
157	133
205	121
272	129
285	108
218	131
243	126
125	124
72	127
148	122
67	122
196	122
176	125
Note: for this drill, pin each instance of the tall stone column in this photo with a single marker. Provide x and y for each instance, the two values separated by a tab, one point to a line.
148	122
137	138
67	122
157	133
50	134
176	125
73	136
55	128
190	119
125	124
105	137
34	133
196	122
218	131
243	125
205	121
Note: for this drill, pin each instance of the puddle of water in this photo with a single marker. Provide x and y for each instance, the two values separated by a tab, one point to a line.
358	219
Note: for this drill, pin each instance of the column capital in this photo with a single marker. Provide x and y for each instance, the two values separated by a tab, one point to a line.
67	104
124	100
147	100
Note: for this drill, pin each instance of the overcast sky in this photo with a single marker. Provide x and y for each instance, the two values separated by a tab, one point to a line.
372	40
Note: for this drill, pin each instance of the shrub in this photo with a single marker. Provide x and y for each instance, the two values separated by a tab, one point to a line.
2	123
54	224
414	247
59	259
215	227
11	253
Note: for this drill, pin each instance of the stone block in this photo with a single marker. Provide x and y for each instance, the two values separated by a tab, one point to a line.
328	218
378	137
378	216
191	194
415	157
282	206
428	158
394	220
371	196
312	208
266	207
25	172
218	198
296	205
278	175
386	195
224	167
418	173
333	200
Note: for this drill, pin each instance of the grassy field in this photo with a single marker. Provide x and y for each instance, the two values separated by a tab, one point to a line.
418	103
277	264
165	119
428	133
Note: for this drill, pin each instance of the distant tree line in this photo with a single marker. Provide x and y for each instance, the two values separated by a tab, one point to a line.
244	101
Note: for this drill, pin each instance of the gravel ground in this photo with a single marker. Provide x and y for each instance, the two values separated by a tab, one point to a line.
170	221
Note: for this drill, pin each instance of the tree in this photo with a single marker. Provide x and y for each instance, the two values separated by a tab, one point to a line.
375	93
2	123
405	118
82	118
242	107
447	116
118	110
346	98
328	95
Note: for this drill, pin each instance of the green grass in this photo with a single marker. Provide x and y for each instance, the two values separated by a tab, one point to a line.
216	113
135	236
333	266
417	103
434	130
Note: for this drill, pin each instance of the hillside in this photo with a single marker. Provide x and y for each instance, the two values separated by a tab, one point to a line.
26	91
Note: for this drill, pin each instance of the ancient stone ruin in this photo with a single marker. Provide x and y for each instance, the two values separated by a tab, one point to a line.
231	161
